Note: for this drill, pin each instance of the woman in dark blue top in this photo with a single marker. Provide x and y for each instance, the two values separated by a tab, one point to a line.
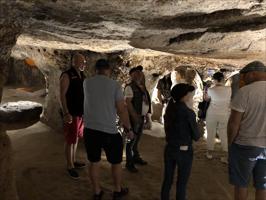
180	129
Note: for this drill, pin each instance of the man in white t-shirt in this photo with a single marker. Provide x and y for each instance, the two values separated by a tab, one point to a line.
247	133
139	108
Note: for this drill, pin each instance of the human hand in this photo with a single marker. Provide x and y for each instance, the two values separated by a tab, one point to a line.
148	125
130	135
68	118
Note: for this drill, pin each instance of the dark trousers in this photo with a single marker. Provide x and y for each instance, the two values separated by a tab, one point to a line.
132	151
183	160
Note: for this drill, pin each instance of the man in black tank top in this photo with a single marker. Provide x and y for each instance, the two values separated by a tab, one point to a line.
72	97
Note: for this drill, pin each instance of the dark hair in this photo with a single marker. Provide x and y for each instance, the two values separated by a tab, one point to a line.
180	90
138	68
255	66
218	76
223	70
102	64
169	116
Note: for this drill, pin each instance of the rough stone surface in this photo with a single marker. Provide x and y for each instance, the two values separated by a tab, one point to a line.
22	74
7	181
21	111
12	16
13	115
225	29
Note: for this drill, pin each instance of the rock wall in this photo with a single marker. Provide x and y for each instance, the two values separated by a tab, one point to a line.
22	74
11	26
7	182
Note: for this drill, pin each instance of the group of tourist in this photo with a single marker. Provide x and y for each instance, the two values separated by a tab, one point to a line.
90	107
98	100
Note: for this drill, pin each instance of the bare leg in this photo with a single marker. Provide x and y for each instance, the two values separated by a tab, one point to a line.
117	176
74	151
69	154
260	194
94	176
241	193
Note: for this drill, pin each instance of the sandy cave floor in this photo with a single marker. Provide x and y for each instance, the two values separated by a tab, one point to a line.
41	172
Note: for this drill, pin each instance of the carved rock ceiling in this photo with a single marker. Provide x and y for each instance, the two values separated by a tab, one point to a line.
228	29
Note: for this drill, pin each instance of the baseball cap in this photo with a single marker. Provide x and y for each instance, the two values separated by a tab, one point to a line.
138	68
180	90
255	66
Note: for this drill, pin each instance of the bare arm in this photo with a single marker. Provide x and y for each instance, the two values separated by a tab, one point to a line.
233	125
64	84
206	97
123	113
159	96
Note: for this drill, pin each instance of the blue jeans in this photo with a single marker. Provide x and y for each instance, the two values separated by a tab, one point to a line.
183	160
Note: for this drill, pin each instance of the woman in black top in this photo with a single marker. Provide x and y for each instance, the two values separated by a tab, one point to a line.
180	129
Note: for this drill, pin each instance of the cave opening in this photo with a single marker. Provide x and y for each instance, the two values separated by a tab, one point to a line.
24	82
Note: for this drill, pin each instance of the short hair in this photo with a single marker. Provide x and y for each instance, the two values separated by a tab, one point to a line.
255	66
102	64
134	69
218	76
180	90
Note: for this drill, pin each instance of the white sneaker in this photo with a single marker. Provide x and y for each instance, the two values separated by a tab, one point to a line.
208	155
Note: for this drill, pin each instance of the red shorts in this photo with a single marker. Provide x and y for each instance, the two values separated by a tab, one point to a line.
74	130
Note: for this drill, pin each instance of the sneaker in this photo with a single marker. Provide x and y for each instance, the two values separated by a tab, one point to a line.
98	196
73	174
131	168
208	155
140	161
79	165
224	160
119	195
